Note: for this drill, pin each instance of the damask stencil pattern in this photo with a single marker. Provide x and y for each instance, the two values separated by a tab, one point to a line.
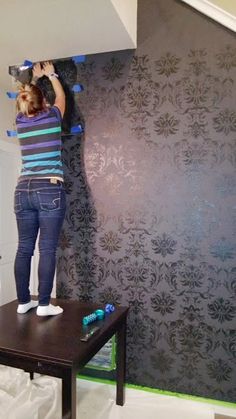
151	217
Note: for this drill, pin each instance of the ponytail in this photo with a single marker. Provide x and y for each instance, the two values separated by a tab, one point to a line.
30	100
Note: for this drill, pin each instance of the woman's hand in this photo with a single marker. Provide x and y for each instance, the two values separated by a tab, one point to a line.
48	68
37	71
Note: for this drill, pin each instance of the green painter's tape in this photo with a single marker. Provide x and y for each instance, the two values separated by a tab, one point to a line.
162	392
112	365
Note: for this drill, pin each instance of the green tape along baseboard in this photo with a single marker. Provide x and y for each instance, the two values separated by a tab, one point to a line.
161	392
105	359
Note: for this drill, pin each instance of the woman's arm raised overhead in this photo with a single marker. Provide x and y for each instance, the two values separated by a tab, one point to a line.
49	71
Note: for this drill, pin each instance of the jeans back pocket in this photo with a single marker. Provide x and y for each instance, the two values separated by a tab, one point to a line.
49	200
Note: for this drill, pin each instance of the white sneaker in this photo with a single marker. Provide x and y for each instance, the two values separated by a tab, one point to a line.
49	310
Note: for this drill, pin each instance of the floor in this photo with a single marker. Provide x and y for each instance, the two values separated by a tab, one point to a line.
224	417
21	398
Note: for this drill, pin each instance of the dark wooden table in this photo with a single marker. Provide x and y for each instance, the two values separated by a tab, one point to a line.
52	346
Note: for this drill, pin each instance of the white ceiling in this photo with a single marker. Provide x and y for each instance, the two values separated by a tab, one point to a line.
52	29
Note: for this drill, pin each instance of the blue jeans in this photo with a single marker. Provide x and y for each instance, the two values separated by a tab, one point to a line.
39	206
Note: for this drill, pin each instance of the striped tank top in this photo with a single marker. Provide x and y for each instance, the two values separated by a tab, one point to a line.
40	144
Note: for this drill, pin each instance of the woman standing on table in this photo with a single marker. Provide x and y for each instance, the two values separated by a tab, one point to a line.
39	201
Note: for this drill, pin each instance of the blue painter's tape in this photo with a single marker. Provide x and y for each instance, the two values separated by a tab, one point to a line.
77	129
79	59
11	133
12	95
77	88
28	63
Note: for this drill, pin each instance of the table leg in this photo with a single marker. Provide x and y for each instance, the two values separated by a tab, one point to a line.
69	395
120	363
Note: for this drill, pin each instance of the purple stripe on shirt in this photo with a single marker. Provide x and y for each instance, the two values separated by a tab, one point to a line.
58	112
35	123
46	144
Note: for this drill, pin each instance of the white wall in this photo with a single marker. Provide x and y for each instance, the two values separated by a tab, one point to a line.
127	11
8	232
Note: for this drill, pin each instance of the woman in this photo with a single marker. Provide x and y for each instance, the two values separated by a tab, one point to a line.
39	202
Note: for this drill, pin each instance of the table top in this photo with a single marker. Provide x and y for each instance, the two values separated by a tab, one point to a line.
56	339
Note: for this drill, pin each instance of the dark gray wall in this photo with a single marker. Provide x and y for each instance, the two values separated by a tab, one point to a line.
151	199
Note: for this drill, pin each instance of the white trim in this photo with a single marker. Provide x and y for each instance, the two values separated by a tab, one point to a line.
214	12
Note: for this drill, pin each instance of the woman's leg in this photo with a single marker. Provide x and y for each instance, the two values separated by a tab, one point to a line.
51	217
50	228
27	224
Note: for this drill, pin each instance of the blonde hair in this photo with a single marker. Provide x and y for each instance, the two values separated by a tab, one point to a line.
30	100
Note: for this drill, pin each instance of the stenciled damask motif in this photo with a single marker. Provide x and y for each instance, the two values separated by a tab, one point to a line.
86	71
164	245
219	370
111	242
197	124
222	310
187	338
223	250
198	62
167	64
110	294
140	68
113	70
225	121
226	59
151	218
163	303
191	155
196	92
189	366
229	342
161	361
191	308
65	240
136	102
137	246
166	125
230	282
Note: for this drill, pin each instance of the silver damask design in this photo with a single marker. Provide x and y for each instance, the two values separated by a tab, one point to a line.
151	217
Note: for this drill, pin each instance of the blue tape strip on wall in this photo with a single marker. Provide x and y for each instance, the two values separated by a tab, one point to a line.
77	88
28	63
11	133
77	129
12	95
79	59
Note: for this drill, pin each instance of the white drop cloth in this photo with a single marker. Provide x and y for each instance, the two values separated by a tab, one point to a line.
21	398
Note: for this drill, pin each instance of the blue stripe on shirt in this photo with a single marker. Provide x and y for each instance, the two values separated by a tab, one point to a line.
41	155
39	132
43	163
